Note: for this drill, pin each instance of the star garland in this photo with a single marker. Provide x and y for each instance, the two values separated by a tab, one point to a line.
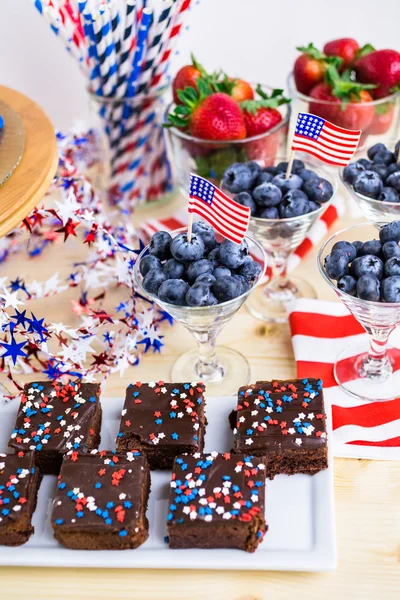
105	339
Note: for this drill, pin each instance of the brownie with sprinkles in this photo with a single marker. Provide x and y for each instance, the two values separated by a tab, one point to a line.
19	484
217	501
283	421
101	501
53	419
163	420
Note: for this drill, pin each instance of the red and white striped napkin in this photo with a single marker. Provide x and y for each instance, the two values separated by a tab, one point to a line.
320	331
316	233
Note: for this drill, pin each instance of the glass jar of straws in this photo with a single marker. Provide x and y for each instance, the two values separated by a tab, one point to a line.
132	165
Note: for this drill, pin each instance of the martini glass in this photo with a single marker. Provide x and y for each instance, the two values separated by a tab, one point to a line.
223	370
279	238
366	373
374	210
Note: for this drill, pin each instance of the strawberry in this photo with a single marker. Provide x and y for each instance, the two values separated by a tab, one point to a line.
241	90
344	102
310	67
345	48
261	115
382	120
187	76
381	67
217	117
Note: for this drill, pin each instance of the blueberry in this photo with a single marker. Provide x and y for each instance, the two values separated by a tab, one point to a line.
149	262
226	288
237	178
364	162
357	245
263	178
397	151
206	232
273	170
375	149
385	157
174	269
381	169
268	213
255	170
391	289
388	194
347	247
173	291
232	255
390	249
244	283
213	257
267	194
250	270
336	264
390	232
392	266
294	204
160	245
347	284
297	166
369	288
221	272
393	168
367	265
351	171
368	184
186	251
394	181
307	174
318	190
293	182
153	279
245	199
200	295
312	206
207	278
199	267
371	247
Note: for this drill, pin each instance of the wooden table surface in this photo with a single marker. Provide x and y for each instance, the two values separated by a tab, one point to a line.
367	493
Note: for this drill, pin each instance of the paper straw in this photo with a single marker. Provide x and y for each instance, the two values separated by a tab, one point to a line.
124	63
115	26
147	15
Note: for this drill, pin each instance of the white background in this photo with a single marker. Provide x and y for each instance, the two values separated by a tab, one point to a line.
255	39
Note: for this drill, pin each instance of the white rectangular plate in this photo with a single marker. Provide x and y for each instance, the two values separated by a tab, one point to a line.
299	511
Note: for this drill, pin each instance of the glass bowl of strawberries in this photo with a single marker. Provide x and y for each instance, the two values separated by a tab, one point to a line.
351	86
216	120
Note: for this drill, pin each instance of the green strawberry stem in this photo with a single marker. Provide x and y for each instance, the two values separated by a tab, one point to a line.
273	101
344	87
366	49
316	54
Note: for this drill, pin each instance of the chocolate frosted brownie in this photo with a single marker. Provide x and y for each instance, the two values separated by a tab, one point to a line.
19	484
284	422
163	420
53	419
101	501
217	501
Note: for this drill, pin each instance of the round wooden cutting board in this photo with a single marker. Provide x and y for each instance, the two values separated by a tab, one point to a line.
30	180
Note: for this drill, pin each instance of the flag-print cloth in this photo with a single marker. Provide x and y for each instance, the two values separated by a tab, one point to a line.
316	233
361	429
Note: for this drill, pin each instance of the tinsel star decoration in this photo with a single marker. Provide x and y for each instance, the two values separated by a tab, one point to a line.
107	337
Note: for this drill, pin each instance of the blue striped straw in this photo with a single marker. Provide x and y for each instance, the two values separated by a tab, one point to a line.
147	16
95	75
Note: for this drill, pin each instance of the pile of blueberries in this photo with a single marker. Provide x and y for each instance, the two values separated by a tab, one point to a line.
268	193
201	272
378	177
368	270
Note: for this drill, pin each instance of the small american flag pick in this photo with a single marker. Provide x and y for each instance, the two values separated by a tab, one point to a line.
326	141
227	217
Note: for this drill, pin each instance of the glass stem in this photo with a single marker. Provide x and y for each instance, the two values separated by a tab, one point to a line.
279	269
207	366
376	365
